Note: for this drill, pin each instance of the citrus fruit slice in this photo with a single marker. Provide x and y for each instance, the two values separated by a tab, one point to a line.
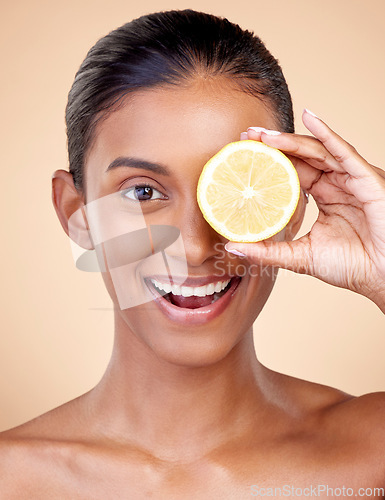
248	191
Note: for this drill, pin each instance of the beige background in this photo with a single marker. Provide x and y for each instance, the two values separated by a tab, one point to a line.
54	344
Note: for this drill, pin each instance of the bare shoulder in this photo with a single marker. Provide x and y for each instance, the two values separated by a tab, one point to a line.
355	423
61	423
359	420
42	445
364	416
340	429
357	426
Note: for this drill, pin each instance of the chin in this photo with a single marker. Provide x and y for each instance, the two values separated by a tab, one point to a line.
201	351
192	346
193	323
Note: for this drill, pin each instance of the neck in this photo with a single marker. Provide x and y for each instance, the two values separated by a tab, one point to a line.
174	411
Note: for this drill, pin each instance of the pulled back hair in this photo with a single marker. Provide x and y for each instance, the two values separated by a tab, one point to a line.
168	48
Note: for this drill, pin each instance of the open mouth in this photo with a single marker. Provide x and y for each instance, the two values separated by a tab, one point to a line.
190	297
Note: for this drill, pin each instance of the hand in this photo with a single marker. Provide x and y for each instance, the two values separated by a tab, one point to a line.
346	245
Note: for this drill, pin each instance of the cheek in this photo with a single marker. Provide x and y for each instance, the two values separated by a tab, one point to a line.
262	278
126	289
126	285
261	283
109	286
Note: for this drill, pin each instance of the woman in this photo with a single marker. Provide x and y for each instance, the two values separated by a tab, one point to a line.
185	409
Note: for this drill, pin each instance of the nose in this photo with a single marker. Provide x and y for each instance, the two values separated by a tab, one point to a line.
201	241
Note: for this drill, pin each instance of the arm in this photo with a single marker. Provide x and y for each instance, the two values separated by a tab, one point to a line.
346	245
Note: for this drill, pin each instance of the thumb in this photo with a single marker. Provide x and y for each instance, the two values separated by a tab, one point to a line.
293	255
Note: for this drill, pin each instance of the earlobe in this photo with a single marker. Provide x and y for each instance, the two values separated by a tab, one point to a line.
69	206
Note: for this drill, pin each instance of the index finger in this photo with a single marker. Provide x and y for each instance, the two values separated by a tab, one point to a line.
326	151
346	155
305	147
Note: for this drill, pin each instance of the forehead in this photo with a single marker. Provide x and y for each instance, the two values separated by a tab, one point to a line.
171	124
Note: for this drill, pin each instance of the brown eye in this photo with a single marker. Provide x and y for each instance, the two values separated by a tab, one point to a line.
143	192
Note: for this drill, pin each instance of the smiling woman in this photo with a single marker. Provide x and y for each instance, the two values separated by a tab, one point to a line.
185	405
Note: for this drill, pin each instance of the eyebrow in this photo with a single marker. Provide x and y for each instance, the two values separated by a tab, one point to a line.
128	161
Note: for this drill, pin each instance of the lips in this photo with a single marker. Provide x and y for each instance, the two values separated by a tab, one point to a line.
194	309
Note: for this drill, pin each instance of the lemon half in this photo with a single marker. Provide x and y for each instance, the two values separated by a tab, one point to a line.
248	191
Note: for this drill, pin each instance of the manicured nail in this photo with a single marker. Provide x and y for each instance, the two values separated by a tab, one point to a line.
311	113
265	130
235	252
244	136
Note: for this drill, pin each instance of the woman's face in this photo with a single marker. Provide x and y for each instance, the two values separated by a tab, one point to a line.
175	131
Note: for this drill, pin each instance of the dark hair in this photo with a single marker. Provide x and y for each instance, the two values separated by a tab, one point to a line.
168	48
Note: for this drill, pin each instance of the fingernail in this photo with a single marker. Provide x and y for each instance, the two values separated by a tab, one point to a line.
235	252
244	136
265	130
311	113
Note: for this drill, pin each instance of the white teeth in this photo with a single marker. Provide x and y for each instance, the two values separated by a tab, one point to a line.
166	287
188	291
200	291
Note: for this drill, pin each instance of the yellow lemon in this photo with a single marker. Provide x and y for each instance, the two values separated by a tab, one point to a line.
248	191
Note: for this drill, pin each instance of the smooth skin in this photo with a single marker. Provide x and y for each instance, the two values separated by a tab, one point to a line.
188	411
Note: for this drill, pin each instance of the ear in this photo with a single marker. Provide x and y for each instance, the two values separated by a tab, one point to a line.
69	206
297	218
